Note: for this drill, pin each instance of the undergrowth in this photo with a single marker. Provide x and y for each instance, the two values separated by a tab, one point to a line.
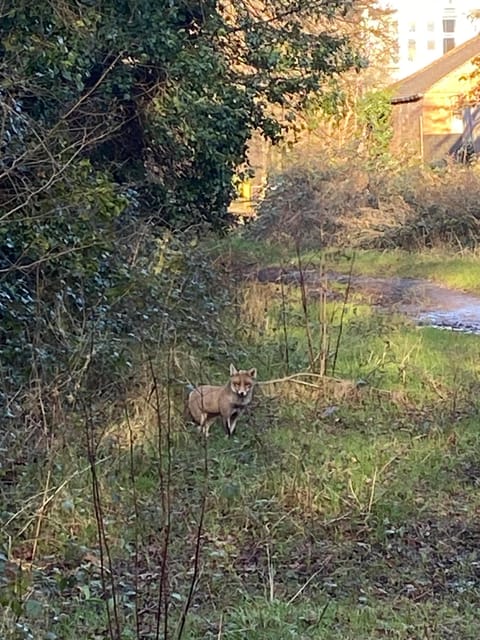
320	205
345	505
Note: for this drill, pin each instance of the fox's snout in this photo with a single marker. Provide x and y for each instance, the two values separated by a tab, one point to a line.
241	389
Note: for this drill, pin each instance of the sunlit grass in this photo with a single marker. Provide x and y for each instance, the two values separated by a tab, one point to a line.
384	350
453	269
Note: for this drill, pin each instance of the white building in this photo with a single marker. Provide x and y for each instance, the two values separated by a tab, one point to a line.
426	29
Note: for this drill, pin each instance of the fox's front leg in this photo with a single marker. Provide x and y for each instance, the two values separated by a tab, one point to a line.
226	425
230	423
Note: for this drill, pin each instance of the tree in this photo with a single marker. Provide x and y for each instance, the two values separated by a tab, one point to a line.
162	95
337	115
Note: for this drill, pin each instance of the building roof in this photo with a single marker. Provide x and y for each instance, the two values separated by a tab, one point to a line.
420	81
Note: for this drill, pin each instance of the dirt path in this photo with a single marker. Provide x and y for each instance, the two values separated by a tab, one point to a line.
427	303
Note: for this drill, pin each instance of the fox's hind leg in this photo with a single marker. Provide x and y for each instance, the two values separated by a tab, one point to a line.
205	423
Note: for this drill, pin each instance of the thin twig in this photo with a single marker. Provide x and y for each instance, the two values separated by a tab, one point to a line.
303	294
137	519
196	562
285	326
220	627
103	546
352	491
372	491
342	314
166	593
271	574
324	325
162	586
305	585
41	513
294	378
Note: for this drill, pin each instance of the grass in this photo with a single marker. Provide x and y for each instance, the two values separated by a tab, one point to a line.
356	620
453	270
370	511
337	511
457	270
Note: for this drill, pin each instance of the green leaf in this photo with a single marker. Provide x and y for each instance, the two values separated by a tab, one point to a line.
33	609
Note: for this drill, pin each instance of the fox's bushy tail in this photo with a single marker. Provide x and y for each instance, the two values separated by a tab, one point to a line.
186	413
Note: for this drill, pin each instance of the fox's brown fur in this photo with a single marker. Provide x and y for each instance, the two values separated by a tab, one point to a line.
205	403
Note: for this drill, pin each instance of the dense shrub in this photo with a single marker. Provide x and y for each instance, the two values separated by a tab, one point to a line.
345	205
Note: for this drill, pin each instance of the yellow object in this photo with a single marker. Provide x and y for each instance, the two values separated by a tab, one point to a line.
246	189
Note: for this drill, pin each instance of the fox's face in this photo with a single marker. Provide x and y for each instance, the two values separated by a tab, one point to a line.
242	381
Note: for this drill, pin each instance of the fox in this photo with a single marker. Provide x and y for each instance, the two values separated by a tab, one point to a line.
206	403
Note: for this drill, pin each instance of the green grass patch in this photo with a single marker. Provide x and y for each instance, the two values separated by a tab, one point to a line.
327	619
384	350
457	270
355	524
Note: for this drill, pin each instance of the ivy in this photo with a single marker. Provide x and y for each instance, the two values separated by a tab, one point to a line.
374	115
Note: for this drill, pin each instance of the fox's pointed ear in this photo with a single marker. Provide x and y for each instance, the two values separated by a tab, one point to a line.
233	370
253	373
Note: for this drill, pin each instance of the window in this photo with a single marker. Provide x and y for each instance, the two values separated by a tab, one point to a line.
448	44
431	45
412	27
448	26
431	27
412	50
